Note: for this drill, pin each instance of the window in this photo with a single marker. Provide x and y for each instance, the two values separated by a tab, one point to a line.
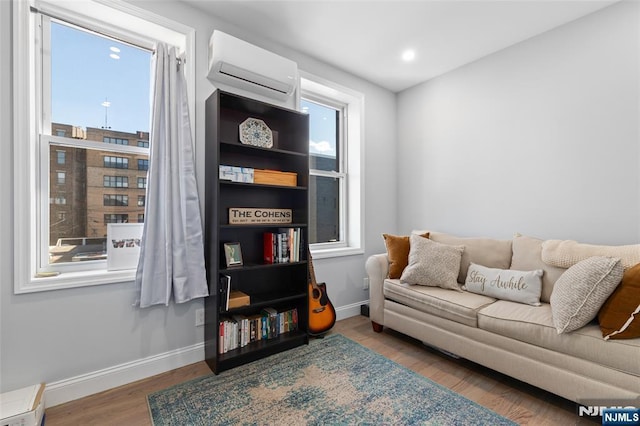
116	141
141	200
116	218
70	114
335	187
116	182
143	164
61	178
140	217
327	173
115	200
59	200
116	162
142	182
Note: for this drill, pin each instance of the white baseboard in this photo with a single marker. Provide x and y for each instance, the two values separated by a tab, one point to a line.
87	384
98	381
348	311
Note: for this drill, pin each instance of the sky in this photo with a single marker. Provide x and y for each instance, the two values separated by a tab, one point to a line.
84	76
89	71
322	128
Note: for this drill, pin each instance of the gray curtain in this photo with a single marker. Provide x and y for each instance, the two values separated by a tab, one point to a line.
172	252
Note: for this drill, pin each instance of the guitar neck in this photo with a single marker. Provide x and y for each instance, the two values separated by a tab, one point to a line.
312	272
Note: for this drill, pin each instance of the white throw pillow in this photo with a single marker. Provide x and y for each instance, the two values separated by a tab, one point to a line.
581	291
505	284
432	264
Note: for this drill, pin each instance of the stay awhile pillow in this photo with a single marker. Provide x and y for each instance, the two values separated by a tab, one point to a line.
505	284
432	264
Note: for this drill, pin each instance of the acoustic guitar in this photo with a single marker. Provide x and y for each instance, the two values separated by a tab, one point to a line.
322	315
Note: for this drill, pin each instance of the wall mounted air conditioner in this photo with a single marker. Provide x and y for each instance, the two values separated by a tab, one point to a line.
240	64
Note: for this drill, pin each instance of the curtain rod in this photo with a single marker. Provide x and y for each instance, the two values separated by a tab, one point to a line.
50	15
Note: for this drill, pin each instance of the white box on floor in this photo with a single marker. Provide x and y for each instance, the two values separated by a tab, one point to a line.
23	407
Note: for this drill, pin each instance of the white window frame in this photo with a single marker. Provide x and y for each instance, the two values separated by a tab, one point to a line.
351	155
110	17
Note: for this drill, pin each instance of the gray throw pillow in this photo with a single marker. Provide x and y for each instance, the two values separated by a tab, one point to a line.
581	291
432	264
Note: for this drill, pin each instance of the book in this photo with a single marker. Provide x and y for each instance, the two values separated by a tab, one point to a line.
255	332
264	327
271	317
268	239
243	330
221	338
225	290
283	246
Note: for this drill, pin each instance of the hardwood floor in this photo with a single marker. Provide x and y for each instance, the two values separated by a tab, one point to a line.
522	403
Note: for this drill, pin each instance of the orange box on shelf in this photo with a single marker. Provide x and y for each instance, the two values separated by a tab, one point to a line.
238	298
275	177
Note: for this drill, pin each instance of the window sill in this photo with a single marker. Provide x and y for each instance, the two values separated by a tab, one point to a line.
326	253
76	279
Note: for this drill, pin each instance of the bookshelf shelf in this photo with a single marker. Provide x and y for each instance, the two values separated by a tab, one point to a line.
281	288
227	145
256	266
264	300
262	348
262	185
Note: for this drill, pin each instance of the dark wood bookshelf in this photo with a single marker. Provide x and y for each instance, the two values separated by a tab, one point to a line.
282	286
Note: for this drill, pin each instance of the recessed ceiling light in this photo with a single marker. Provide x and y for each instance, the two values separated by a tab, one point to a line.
408	55
114	56
114	49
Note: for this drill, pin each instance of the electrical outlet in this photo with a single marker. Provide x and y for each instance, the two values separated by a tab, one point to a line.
365	283
199	317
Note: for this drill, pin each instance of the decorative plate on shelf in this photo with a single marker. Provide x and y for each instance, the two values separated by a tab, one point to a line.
255	132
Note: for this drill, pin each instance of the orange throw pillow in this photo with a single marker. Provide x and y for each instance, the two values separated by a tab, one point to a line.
619	317
398	253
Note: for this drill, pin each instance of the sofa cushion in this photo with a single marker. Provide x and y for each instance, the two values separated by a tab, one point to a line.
566	253
456	306
580	292
619	317
398	252
527	256
505	284
534	325
432	264
487	252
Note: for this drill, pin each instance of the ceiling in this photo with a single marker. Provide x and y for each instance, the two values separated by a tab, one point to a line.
367	38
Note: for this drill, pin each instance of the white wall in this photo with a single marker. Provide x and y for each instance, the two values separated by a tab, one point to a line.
541	138
57	335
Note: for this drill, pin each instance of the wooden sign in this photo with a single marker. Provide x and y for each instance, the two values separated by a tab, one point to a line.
244	216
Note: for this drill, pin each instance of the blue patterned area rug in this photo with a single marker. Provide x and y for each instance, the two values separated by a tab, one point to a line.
331	381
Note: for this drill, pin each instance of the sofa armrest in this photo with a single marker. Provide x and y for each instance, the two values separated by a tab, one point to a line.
377	268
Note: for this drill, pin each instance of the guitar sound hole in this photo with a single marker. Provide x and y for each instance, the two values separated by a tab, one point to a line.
316	293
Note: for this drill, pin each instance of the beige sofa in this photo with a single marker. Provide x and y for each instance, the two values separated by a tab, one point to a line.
513	338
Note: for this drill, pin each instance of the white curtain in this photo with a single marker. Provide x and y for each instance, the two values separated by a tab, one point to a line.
172	252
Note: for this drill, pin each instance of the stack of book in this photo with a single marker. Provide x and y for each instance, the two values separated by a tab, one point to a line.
237	331
283	246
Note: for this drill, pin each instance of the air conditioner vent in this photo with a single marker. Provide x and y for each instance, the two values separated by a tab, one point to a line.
240	64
